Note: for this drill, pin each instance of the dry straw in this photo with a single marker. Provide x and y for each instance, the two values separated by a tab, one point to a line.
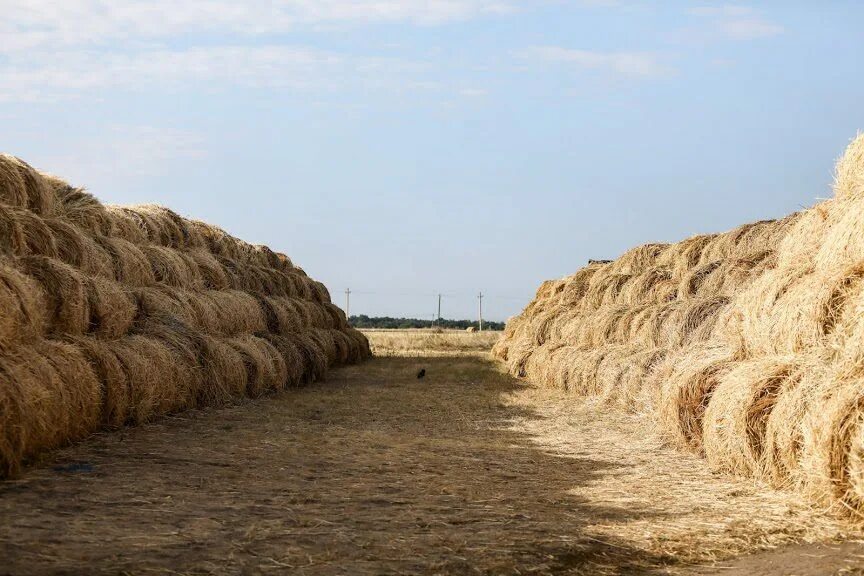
746	345
148	313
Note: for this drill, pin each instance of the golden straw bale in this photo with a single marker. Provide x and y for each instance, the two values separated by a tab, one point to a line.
12	188
112	378
125	225
23	304
224	372
360	350
67	308
131	266
293	358
279	317
237	312
112	308
213	274
841	243
172	267
79	250
804	236
684	390
849	175
79	207
734	425
265	367
638	259
38	238
150	370
164	301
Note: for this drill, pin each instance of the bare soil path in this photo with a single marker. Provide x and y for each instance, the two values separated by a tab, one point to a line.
376	472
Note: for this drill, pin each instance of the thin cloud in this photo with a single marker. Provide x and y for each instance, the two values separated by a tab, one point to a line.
630	64
737	22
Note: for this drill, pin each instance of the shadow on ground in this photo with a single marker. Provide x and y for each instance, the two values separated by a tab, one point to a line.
371	472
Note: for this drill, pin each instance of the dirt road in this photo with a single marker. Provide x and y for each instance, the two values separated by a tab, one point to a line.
376	472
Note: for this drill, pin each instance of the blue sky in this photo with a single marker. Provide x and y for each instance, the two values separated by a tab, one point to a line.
406	147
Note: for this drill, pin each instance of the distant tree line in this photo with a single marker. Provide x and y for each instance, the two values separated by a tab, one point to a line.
363	321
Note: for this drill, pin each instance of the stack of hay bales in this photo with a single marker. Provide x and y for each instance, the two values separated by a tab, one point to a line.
113	315
747	346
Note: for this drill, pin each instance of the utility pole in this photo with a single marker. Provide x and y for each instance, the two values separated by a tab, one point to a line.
480	297
348	303
439	310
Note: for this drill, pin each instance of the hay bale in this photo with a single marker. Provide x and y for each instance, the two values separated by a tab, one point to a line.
131	266
213	274
23	303
237	312
12	188
125	225
112	308
849	175
78	250
112	379
82	209
265	367
735	422
65	294
223	372
24	187
172	267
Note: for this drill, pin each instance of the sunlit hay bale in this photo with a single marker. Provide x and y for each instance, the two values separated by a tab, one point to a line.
112	308
38	238
82	209
237	312
540	326
651	286
539	366
151	371
79	389
693	280
318	292
565	368
734	425
736	242
324	340
279	317
699	317
126	225
112	378
784	433
165	302
802	240
337	316
315	355
755	239
636	377
265	367
172	267
518	353
657	326
685	255
186	374
849	174
685	391
598	329
733	274
614	287
293	358
28	190
611	371
841	243
67	308
213	274
49	396
343	346
224	373
78	250
131	266
638	259
832	458
217	241
158	224
12	188
23	304
360	349
267	258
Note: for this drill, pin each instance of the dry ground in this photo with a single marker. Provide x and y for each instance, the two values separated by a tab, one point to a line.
376	472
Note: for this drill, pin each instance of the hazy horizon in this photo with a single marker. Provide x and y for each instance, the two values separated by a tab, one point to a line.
408	148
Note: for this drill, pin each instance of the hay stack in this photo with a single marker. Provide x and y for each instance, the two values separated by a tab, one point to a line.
117	315
744	346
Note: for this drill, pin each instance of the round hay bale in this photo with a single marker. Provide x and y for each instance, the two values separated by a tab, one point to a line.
849	175
638	259
79	388
173	268
293	358
131	266
28	190
343	346
803	239
125	225
735	422
38	238
684	386
167	228
65	295
12	239
319	292
339	320
265	368
237	312
469	329
112	378
213	274
326	342
112	308
12	188
279	316
23	303
224	373
78	207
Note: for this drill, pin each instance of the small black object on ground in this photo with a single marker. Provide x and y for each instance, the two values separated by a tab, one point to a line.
421	373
